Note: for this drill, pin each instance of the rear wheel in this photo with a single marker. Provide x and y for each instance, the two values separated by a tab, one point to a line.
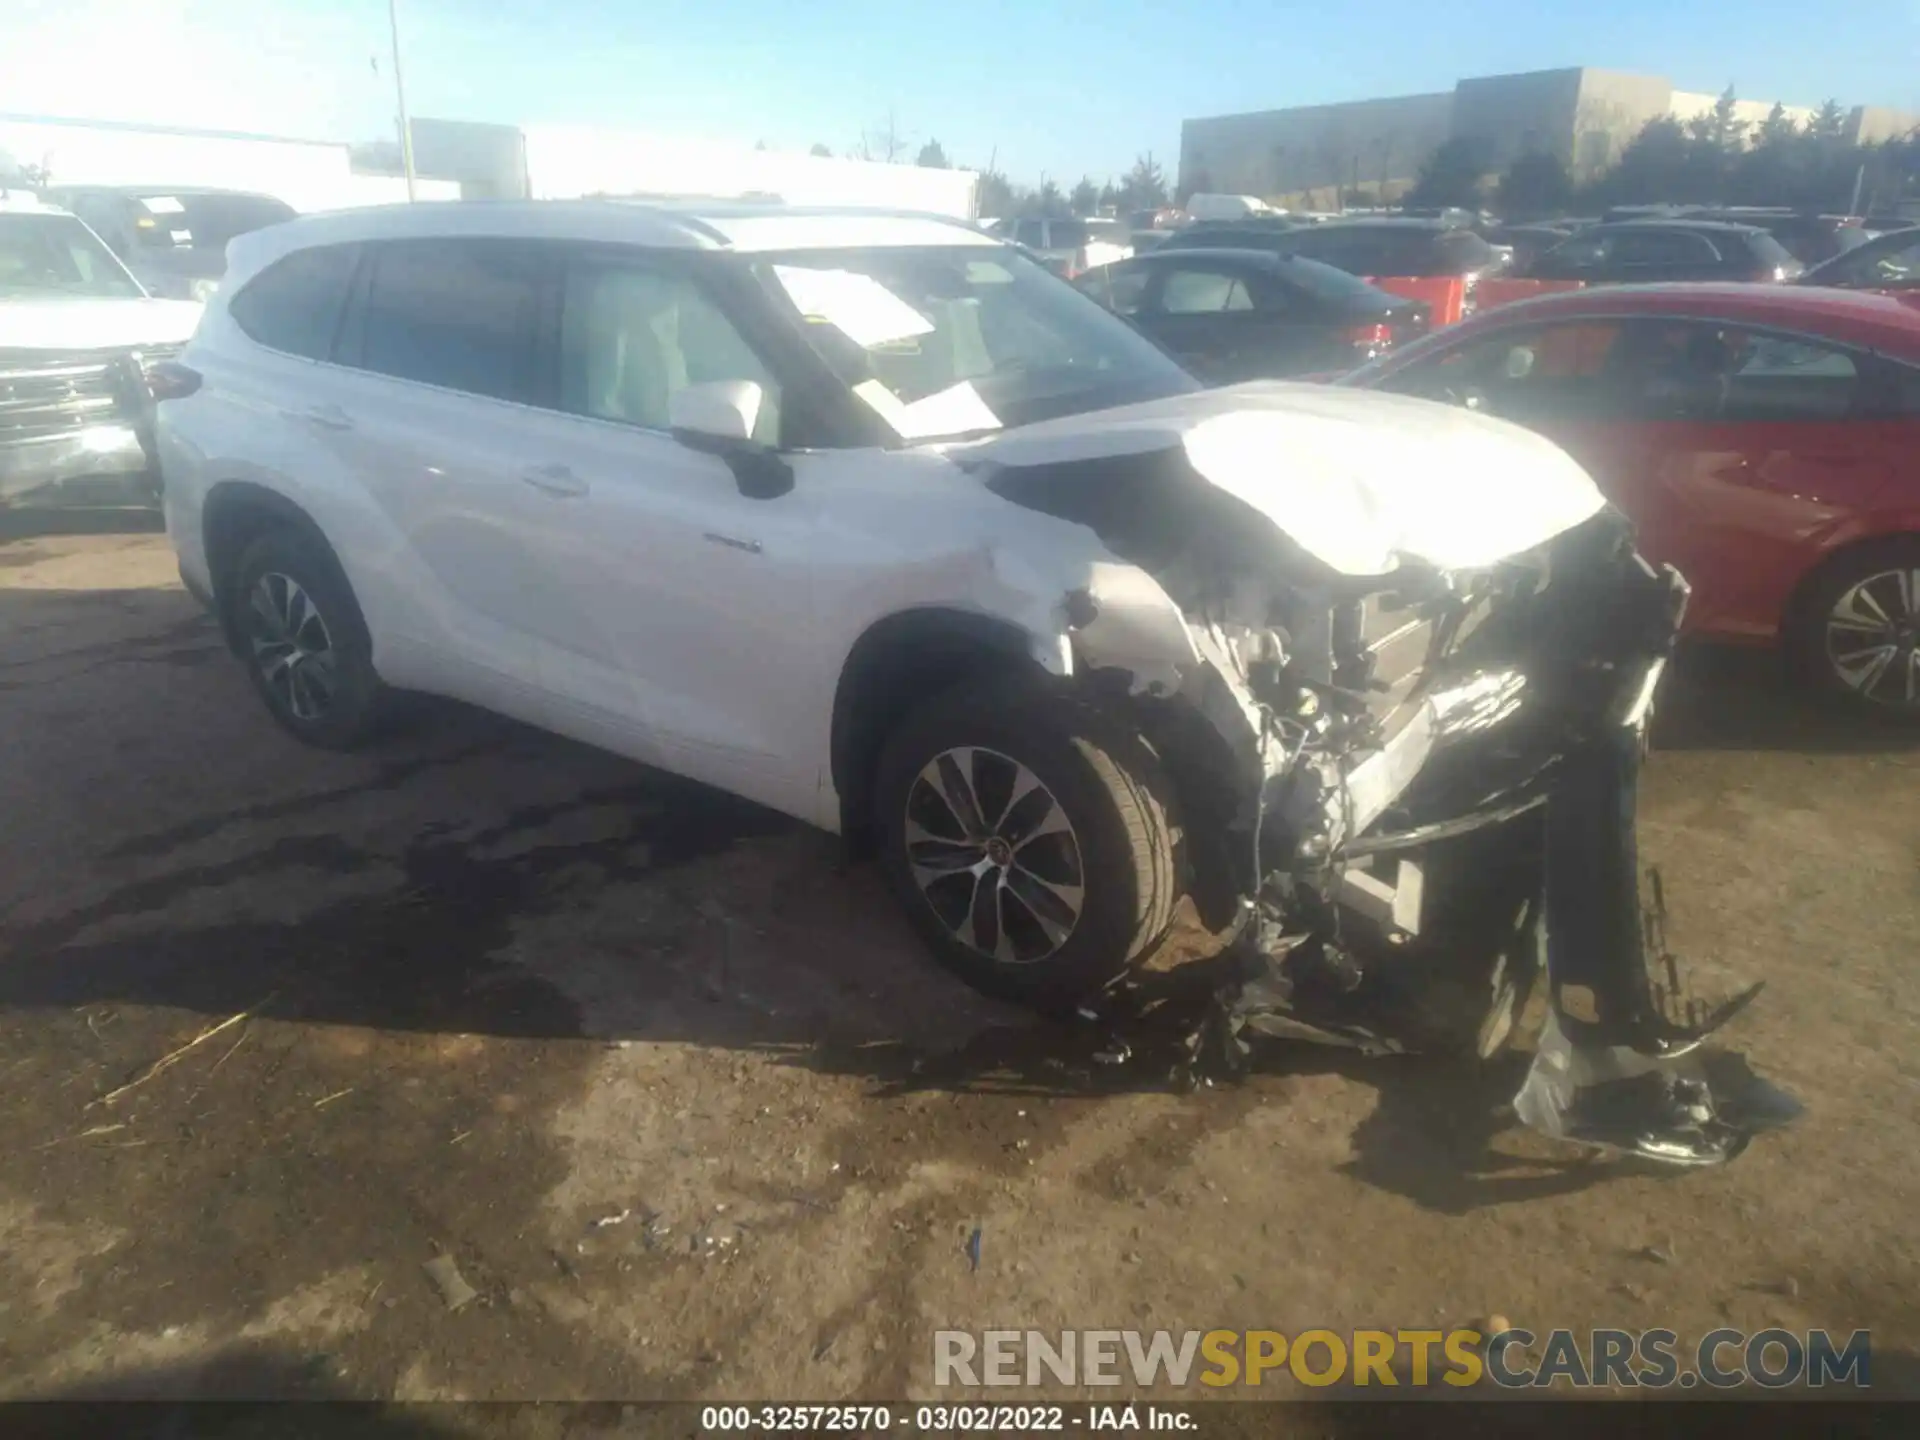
1857	630
1028	836
304	642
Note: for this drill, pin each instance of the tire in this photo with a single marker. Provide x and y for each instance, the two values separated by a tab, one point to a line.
289	598
1098	777
1880	576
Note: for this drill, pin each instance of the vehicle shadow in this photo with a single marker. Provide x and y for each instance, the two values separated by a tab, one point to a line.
248	1392
473	878
1724	697
33	523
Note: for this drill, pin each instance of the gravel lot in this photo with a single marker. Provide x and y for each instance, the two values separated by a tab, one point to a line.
688	1110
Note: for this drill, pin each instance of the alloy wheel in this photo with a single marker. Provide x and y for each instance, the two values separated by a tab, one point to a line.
994	855
292	647
1873	638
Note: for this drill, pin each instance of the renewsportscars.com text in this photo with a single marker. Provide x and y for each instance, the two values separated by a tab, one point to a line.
1515	1358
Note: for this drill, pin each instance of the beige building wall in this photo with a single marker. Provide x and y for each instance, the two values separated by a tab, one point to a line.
1282	152
1584	116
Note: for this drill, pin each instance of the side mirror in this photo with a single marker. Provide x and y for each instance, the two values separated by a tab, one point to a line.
717	417
715	410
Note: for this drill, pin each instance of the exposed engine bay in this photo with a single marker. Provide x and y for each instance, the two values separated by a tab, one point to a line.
1410	796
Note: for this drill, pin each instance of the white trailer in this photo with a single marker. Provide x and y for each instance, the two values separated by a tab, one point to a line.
569	161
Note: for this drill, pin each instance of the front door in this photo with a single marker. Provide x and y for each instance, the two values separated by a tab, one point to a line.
684	630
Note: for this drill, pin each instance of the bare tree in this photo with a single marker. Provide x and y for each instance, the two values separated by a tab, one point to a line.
885	142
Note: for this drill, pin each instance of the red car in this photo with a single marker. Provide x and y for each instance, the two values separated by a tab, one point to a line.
1764	439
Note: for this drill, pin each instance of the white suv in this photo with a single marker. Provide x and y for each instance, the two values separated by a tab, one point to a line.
869	519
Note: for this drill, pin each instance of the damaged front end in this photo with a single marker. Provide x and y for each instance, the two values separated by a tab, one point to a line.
1412	795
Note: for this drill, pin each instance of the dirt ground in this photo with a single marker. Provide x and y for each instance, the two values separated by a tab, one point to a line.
685	1105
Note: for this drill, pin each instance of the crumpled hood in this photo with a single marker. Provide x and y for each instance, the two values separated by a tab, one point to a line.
1361	481
94	322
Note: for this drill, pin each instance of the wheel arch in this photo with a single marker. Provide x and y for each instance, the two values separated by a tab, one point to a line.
1837	558
898	661
233	515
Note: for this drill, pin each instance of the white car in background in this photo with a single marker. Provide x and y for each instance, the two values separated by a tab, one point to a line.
1070	247
869	519
78	336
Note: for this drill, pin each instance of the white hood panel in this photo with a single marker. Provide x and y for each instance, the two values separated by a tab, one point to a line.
1359	480
95	323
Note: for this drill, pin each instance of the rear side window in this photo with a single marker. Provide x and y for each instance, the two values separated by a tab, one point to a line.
1461	250
1698	371
1322	282
1120	287
1896	267
1203	292
294	304
1664	247
455	313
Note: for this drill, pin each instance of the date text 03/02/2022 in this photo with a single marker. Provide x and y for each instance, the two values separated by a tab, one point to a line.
941	1419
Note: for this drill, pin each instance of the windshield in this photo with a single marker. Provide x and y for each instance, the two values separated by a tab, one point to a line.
57	255
943	342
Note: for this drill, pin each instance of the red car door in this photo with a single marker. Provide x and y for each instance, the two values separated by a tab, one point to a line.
1757	452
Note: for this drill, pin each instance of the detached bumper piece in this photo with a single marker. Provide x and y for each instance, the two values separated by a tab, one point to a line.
1619	1062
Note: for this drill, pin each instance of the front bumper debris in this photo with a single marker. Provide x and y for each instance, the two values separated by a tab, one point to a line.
1620	1061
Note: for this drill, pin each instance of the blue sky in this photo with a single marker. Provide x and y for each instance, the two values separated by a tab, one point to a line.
1061	87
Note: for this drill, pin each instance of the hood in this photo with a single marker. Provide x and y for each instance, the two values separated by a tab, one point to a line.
1359	480
95	323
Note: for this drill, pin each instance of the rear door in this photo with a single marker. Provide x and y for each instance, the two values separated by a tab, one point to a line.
440	349
1759	445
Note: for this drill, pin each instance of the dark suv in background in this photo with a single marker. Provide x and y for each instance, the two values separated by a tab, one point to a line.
1637	251
174	241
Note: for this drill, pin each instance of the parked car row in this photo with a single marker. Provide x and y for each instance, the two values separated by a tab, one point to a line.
869	519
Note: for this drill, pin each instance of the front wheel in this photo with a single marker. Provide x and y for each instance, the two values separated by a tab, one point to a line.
1857	630
1029	837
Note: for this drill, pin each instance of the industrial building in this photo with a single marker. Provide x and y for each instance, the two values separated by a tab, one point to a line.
1584	116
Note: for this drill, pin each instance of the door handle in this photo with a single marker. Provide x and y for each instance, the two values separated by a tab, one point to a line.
558	481
327	417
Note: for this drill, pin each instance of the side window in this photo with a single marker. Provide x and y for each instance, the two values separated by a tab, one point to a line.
454	313
294	304
630	336
1559	371
1031	233
1120	288
1203	292
1894	269
1662	247
1698	371
1580	252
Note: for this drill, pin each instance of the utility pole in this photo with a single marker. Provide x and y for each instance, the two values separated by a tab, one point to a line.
400	92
